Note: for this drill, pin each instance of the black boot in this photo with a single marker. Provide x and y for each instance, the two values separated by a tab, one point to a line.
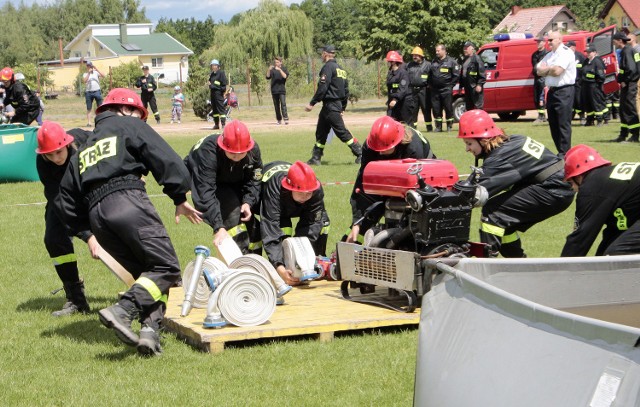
316	155
216	123
223	121
76	300
634	136
449	126
149	342
356	149
119	319
429	128
583	121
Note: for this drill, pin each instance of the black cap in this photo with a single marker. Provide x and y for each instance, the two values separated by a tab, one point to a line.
145	68
330	49
571	43
591	49
468	44
89	63
620	36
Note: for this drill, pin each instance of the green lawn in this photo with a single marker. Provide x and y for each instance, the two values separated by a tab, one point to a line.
75	361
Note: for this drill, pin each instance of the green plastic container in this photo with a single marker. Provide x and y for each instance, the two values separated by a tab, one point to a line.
18	143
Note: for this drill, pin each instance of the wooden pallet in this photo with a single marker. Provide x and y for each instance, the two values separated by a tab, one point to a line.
318	310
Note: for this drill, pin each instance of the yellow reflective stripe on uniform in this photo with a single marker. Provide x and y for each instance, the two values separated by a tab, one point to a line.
621	71
256	216
351	141
325	230
274	170
198	143
151	287
216	82
473	73
255	245
424	140
636	57
578	65
319	145
492	229
510	238
64	259
424	76
621	223
287	230
444	69
590	75
164	298
633	126
234	231
395	85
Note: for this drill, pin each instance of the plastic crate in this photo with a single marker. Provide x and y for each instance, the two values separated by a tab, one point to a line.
18	143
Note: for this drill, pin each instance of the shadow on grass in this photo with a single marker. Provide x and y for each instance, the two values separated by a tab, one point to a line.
55	303
379	109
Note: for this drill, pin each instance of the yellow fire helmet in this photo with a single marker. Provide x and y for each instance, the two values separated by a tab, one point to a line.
417	51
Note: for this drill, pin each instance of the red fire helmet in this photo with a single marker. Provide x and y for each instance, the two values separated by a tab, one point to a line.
385	133
580	159
477	124
123	96
300	178
394	56
6	74
52	137
236	138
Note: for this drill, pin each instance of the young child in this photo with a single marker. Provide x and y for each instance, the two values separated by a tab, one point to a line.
177	104
102	190
55	148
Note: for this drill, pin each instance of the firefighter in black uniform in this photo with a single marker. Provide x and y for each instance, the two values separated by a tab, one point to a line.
628	76
218	87
399	103
443	77
608	195
388	140
472	77
333	92
418	71
291	191
524	180
225	183
25	103
578	102
593	76
147	85
103	191
55	148
538	81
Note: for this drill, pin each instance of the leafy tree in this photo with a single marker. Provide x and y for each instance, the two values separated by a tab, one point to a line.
402	24
31	74
196	35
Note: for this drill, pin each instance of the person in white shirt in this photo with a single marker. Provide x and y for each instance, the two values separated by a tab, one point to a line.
558	68
92	91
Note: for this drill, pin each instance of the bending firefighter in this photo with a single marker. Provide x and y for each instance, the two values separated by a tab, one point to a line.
225	184
523	178
388	140
103	191
608	195
55	148
291	191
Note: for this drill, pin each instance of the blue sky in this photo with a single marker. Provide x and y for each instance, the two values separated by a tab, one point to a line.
198	9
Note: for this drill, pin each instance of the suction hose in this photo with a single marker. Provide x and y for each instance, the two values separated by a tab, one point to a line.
202	252
243	298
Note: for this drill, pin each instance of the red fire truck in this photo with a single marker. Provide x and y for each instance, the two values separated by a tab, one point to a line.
508	91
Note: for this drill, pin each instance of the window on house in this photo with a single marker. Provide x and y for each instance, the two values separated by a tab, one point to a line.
558	26
625	21
156	62
77	54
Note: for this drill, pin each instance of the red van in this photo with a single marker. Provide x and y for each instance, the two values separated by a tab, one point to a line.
508	90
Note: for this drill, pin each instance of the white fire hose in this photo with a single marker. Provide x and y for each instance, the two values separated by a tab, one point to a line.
203	291
300	258
264	267
241	297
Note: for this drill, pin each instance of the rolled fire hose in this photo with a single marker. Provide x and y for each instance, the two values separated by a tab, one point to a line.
242	297
204	288
264	267
202	252
300	258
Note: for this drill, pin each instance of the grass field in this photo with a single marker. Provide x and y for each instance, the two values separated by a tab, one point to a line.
75	361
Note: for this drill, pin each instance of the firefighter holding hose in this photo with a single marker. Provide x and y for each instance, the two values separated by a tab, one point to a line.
524	179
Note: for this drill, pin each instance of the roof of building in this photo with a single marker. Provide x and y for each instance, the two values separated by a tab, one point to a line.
151	44
630	8
531	20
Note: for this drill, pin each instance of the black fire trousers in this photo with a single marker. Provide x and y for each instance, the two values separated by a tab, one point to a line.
60	247
129	228
628	110
473	99
422	99
517	210
442	99
330	117
593	100
245	234
149	99
627	242
280	105
538	95
560	112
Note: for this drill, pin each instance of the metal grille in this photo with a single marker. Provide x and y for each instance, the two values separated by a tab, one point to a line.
377	265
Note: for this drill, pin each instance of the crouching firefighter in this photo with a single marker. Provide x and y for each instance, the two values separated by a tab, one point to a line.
291	191
225	184
524	179
102	190
388	140
55	148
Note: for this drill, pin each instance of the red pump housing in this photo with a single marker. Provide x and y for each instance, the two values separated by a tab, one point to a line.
396	177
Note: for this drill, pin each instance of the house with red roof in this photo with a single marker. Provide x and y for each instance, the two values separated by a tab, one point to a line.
538	20
623	13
